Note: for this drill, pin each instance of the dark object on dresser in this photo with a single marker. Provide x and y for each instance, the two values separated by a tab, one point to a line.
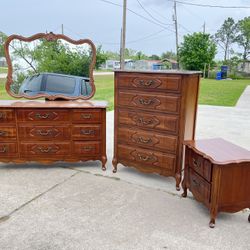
154	113
217	172
52	131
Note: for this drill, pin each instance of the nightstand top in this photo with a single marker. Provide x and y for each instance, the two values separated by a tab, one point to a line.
219	151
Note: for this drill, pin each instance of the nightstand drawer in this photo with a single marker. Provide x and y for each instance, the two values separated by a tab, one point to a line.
157	141
202	166
199	187
7	115
86	116
156	102
145	120
150	82
86	148
43	115
86	132
8	133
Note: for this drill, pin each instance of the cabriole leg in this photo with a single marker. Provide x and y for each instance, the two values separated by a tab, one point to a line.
178	181
104	161
114	162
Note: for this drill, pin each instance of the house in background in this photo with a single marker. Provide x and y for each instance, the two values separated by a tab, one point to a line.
115	64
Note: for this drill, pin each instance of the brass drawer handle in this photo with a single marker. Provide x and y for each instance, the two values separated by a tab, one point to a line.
87	132
196	164
86	116
144	157
44	133
4	149
3	133
146	84
87	148
143	140
145	122
2	115
45	150
44	116
196	183
146	102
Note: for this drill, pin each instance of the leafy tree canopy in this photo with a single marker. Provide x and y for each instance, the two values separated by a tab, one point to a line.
196	50
2	40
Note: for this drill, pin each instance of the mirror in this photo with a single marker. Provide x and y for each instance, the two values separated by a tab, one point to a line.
51	66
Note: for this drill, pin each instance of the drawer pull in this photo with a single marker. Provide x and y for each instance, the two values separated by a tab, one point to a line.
86	116
87	132
3	133
44	133
87	148
44	116
146	102
195	163
195	183
45	150
145	122
143	140
2	115
144	157
4	149
146	84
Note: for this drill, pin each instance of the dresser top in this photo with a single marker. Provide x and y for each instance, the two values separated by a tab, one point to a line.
52	104
219	151
173	72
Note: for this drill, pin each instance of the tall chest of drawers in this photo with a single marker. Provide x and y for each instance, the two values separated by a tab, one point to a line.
49	131
154	113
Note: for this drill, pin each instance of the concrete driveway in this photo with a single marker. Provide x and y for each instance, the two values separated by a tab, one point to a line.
78	206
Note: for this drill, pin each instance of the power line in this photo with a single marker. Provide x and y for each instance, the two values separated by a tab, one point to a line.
212	6
150	13
137	14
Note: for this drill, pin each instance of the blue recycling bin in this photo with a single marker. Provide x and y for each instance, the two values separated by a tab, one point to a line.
218	75
224	70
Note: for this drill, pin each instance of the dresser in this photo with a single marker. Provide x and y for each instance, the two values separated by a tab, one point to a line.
49	131
154	112
217	173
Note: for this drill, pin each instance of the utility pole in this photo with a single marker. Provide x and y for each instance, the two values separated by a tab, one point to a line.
121	49
176	33
123	34
62	29
204	28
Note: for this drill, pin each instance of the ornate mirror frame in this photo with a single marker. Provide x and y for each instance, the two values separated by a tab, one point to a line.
49	37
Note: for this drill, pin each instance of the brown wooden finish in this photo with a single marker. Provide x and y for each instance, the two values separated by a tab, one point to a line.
156	111
227	190
49	37
53	134
7	115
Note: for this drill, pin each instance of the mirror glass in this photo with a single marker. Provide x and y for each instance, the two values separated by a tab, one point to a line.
50	66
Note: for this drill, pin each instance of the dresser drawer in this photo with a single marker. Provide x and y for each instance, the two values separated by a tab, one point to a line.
7	133
8	149
202	166
86	116
158	102
87	148
199	187
168	123
36	132
43	115
166	143
148	158
150	82
7	115
86	132
46	149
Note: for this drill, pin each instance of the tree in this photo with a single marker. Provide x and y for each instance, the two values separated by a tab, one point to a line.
2	40
196	50
154	57
101	57
226	35
243	36
169	55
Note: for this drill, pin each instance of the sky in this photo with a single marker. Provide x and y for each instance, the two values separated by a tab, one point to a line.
150	27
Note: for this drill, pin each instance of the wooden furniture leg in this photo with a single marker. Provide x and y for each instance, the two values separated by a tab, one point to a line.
178	181
114	162
184	186
249	218
213	214
104	161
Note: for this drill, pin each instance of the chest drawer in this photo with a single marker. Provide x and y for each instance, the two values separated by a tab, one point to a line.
7	133
31	132
166	122
86	148
86	116
150	82
146	157
165	143
202	166
45	148
157	102
199	187
43	115
8	149
86	132
7	115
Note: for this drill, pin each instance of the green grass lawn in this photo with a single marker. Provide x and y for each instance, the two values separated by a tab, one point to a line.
3	70
212	92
